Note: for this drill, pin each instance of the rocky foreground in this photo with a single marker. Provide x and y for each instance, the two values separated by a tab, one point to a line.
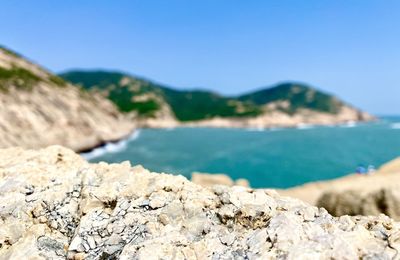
55	205
355	194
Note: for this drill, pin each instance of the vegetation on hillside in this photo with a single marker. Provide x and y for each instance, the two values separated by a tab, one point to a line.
123	98
199	104
186	105
22	78
57	80
298	95
119	88
18	77
10	52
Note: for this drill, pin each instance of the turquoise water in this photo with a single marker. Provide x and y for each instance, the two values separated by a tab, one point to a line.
269	158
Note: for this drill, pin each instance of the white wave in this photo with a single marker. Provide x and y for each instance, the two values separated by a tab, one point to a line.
349	124
304	126
93	153
134	135
273	129
111	147
255	129
395	126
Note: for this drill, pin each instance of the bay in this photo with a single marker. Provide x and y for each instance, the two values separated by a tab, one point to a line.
278	158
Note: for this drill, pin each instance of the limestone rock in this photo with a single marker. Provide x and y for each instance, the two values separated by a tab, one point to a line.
357	186
208	180
52	208
356	194
354	202
38	109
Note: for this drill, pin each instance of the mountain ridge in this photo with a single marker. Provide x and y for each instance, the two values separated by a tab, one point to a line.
290	99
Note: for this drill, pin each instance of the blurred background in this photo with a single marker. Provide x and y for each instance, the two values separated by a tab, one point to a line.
346	48
279	93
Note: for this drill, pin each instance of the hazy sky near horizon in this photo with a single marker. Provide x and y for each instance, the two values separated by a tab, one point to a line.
348	48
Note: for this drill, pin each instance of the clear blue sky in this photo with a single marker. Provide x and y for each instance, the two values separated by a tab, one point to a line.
349	48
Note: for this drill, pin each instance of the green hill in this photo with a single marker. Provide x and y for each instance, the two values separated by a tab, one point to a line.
186	105
119	88
146	97
200	104
298	96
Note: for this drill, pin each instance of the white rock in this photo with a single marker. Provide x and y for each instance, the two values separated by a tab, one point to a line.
76	244
91	242
167	217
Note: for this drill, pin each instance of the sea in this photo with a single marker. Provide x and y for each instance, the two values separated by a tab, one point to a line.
273	158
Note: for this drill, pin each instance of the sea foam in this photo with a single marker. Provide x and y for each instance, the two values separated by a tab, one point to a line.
304	126
395	126
111	147
255	129
349	124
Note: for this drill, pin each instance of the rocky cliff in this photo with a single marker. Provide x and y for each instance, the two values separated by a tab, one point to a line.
38	109
55	205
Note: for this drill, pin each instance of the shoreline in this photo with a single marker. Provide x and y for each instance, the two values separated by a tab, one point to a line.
109	145
238	123
267	123
277	126
301	126
268	119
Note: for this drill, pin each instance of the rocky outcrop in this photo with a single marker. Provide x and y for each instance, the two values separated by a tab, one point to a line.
55	205
209	180
38	109
372	195
356	194
354	202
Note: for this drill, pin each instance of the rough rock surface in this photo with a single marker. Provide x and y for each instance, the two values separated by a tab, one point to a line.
356	194
354	202
55	205
38	109
208	180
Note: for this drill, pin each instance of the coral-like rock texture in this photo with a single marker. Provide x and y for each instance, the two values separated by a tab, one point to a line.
55	205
